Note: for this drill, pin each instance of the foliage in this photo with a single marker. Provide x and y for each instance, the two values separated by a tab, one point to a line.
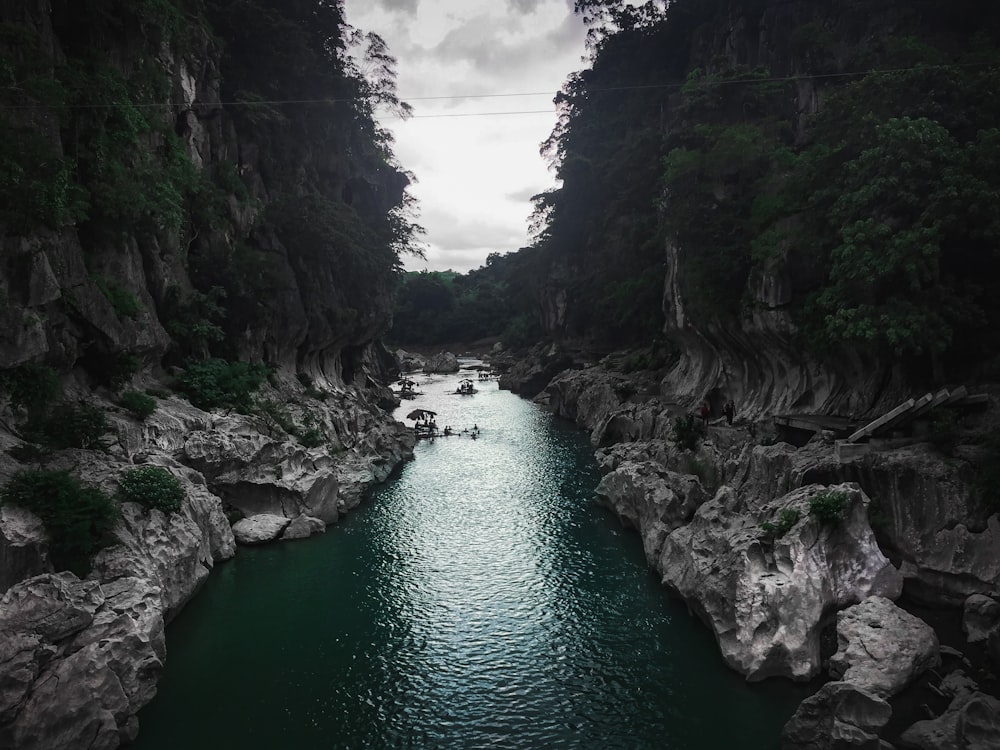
140	404
216	383
33	387
829	507
152	487
77	517
122	300
66	425
193	319
686	433
311	436
786	520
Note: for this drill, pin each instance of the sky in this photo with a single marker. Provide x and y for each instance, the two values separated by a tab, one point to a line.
475	174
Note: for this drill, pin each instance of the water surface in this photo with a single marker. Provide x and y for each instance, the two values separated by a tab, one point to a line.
479	599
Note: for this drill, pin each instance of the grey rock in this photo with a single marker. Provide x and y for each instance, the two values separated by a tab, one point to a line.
303	527
53	606
881	648
837	717
765	601
23	546
443	362
980	618
971	722
651	500
259	529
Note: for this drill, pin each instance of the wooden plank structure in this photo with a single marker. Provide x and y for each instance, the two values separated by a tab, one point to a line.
875	424
911	409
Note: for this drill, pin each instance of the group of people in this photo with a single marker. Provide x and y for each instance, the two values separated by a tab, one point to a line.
728	411
473	433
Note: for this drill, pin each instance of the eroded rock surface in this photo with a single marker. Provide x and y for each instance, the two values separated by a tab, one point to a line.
443	362
766	599
881	648
839	716
259	529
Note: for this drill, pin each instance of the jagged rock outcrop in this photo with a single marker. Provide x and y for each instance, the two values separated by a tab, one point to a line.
260	528
881	649
839	716
530	374
84	678
442	362
766	599
84	656
971	722
652	500
301	527
980	618
23	546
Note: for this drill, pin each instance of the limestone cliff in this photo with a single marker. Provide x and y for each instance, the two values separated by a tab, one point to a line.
183	185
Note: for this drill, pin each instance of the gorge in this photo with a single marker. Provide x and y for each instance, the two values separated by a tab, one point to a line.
786	204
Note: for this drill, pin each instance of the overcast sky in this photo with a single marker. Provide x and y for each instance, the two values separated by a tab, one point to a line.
475	175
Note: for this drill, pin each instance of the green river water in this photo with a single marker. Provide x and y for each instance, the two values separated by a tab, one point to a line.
479	599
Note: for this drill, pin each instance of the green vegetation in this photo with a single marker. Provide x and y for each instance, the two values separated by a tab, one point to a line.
686	432
786	520
78	518
877	215
32	387
444	307
217	384
139	404
66	425
152	487
122	300
829	507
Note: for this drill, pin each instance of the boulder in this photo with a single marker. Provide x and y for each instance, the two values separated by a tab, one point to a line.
303	527
443	362
80	659
652	500
980	618
259	529
766	598
409	362
881	648
839	716
971	722
23	546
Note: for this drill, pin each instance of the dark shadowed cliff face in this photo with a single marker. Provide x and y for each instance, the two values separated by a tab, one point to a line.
187	178
795	194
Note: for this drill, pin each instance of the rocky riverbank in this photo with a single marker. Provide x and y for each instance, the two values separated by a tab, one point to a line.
803	565
79	658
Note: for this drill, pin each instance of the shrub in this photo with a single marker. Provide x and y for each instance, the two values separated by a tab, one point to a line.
216	383
124	303
786	520
77	517
33	387
152	487
67	425
28	453
312	437
686	432
140	404
829	507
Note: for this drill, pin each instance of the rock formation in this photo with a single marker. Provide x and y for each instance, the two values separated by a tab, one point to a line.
443	362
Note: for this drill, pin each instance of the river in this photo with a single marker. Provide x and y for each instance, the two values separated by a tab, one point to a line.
479	599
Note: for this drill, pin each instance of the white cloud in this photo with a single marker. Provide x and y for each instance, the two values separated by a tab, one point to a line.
476	175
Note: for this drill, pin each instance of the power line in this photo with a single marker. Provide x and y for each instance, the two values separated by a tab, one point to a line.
452	97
